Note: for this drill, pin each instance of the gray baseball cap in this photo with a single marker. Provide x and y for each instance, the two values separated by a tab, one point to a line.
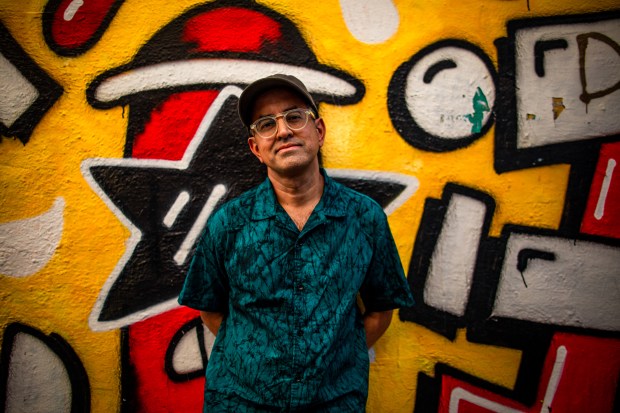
254	89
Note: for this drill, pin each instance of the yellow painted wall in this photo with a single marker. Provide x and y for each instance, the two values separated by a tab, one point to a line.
47	165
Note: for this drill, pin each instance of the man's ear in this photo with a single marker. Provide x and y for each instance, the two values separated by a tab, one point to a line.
254	148
320	127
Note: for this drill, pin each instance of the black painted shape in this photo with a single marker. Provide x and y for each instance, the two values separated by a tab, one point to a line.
543	46
380	191
167	45
194	326
80	386
430	227
401	118
48	90
144	195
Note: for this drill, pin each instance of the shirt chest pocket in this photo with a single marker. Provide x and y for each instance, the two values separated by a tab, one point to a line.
257	265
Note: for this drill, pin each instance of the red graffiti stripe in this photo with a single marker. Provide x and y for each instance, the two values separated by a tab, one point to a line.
602	215
172	125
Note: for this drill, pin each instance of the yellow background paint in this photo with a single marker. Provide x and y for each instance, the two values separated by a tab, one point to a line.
60	297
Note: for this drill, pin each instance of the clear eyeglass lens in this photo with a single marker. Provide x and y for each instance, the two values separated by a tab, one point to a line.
295	119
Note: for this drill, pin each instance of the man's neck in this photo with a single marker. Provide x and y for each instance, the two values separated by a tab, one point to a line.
298	191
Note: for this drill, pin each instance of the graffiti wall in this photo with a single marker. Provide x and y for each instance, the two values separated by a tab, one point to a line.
488	131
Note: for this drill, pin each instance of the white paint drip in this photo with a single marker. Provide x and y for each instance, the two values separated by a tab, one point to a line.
370	21
27	245
218	193
602	197
72	9
554	380
176	208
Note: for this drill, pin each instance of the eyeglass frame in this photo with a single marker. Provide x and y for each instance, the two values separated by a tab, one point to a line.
282	115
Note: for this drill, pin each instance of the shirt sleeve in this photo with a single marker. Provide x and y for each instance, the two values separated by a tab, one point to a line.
385	287
206	284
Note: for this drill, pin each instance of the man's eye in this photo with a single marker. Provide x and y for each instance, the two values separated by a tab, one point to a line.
294	117
265	124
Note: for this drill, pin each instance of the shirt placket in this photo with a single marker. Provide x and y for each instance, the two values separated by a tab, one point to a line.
297	385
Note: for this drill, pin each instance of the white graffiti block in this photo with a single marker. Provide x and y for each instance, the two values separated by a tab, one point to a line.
37	379
560	281
370	21
567	82
17	92
453	262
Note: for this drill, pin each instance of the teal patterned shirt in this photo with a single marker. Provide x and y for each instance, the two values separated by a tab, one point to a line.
293	333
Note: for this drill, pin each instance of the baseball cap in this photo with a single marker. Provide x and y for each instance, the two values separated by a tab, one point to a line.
254	89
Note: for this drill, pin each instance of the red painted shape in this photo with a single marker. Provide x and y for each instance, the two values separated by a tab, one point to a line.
172	125
608	224
155	392
587	383
82	24
231	29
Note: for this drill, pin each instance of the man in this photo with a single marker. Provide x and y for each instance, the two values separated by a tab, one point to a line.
277	272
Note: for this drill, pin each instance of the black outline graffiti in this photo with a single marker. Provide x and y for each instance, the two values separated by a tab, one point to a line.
431	222
401	118
532	338
49	91
49	14
198	328
80	386
508	157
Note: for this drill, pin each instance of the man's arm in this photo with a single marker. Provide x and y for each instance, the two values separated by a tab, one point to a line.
375	324
212	321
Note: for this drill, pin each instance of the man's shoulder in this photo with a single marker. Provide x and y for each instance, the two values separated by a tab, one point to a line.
235	210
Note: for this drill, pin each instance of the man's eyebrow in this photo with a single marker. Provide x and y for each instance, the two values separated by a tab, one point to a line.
285	110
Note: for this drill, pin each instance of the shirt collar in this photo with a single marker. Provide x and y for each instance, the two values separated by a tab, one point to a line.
331	204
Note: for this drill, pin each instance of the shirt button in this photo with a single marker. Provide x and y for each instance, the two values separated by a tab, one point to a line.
300	288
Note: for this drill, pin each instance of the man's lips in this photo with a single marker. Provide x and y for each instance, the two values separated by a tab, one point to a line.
287	146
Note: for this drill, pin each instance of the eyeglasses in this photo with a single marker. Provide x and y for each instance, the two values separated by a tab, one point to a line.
295	119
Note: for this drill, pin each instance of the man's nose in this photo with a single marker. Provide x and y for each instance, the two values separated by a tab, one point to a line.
282	131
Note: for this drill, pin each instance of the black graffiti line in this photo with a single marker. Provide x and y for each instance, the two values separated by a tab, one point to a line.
432	71
543	46
528	254
582	43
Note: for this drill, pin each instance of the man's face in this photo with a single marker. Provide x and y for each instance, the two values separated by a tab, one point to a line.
289	152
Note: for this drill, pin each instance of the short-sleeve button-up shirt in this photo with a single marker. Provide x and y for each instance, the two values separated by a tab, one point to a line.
293	333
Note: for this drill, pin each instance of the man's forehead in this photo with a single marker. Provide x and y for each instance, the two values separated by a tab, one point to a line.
282	98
